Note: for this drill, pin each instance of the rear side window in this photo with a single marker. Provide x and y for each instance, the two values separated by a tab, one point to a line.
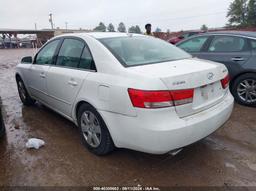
194	44
86	61
45	56
227	44
70	53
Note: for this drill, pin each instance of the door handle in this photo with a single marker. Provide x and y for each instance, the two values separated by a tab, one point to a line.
42	75
237	59
72	83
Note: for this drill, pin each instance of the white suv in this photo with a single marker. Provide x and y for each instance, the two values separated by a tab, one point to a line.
127	91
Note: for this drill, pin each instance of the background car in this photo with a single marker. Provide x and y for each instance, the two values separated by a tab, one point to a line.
127	90
185	35
237	50
2	126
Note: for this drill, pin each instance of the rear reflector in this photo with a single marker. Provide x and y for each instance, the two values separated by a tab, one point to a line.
160	99
225	82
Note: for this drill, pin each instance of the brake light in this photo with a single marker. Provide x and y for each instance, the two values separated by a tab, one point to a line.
225	82
150	99
160	99
181	97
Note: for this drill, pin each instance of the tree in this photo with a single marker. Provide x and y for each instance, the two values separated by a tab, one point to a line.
101	27
134	29
158	30
121	27
204	27
138	29
251	13
111	28
237	13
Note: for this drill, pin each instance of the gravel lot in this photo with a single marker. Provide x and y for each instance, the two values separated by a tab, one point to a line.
226	158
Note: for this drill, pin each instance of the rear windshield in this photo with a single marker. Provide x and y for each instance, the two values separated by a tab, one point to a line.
142	50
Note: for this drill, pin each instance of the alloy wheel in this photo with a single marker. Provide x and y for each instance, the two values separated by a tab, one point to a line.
246	90
91	129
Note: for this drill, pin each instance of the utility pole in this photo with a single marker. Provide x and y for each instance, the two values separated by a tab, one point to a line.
35	26
51	20
66	23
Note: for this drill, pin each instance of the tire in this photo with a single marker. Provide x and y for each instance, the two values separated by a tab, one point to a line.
244	89
23	93
93	130
2	127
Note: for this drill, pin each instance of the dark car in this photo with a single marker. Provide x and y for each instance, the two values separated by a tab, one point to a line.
2	127
237	50
185	35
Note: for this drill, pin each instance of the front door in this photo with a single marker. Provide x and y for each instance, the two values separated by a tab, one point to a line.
38	71
65	79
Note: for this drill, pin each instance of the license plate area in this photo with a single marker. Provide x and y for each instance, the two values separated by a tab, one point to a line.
207	91
208	94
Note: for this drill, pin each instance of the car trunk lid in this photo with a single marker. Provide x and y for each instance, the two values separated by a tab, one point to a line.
202	76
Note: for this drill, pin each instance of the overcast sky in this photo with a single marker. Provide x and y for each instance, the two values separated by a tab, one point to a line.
165	14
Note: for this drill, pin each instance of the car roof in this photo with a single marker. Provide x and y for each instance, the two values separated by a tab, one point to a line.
250	34
100	35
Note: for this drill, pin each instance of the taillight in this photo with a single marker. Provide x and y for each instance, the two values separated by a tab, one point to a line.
181	97
150	99
160	99
225	82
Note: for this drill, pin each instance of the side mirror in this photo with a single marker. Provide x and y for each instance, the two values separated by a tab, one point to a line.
27	59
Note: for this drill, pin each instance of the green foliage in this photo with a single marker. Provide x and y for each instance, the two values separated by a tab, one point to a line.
138	29
111	28
252	13
135	29
121	27
158	30
242	13
100	28
204	27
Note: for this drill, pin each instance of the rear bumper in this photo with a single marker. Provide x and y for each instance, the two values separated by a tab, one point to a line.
160	131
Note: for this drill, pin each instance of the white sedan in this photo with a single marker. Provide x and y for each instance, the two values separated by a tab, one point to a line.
127	91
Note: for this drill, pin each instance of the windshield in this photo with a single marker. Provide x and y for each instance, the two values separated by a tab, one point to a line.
141	50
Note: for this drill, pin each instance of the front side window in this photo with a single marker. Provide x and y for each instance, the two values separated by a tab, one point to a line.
45	56
70	53
227	44
140	50
194	44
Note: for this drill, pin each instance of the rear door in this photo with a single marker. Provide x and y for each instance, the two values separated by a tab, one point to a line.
66	77
36	78
233	51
